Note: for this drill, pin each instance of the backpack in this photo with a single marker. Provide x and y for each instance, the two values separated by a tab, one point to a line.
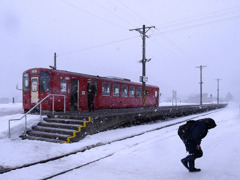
185	130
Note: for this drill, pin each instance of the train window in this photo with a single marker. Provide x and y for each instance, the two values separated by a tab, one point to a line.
132	91
116	90
44	81
124	91
34	83
106	89
25	82
63	86
139	92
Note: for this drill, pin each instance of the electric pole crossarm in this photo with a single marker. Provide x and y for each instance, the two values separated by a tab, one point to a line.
142	31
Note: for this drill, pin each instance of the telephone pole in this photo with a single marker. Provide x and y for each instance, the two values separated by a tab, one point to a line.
201	67
218	90
55	62
143	78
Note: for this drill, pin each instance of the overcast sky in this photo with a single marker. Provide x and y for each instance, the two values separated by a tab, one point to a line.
93	37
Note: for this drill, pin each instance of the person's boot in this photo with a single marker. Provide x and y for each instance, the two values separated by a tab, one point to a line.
192	166
185	162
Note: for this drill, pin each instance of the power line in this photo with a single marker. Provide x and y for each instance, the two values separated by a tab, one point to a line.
96	46
100	5
131	12
199	25
90	13
215	14
190	19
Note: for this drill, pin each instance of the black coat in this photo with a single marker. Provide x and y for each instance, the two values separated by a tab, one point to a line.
91	90
198	131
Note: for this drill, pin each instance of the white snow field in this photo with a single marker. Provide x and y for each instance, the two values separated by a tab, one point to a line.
150	156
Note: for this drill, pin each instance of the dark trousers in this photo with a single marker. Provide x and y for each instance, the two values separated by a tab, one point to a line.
194	153
191	147
90	103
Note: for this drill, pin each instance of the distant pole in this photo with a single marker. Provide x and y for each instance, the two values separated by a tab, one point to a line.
201	67
55	62
174	98
218	90
143	79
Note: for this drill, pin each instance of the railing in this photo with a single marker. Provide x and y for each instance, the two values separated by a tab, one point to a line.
40	103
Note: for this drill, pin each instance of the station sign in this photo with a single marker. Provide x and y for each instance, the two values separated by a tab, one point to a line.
143	79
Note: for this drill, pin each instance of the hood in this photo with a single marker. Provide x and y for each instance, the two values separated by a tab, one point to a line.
209	122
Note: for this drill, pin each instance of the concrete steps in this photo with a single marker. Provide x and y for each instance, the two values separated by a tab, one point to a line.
55	129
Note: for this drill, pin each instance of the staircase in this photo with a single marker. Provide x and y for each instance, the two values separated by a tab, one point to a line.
57	130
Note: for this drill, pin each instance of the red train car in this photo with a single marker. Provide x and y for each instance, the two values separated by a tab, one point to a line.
111	92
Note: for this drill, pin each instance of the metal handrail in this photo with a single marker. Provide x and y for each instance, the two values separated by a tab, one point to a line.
40	103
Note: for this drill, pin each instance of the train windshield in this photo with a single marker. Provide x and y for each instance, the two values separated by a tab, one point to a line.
44	81
25	82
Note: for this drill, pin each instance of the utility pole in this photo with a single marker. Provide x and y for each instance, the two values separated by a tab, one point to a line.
55	62
201	67
143	78
218	90
174	98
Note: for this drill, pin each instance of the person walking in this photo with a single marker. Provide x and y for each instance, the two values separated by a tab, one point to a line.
193	142
91	90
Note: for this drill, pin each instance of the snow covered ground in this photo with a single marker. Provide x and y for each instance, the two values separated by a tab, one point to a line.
153	155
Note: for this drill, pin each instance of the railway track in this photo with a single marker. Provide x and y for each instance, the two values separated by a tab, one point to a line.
86	155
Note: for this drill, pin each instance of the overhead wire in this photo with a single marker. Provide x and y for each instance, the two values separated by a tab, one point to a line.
101	6
215	14
201	24
129	10
164	36
96	46
92	14
161	33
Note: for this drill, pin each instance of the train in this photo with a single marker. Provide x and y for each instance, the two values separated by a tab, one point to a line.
70	90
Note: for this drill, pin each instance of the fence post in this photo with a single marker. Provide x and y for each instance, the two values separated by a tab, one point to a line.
53	106
64	104
40	111
25	133
9	134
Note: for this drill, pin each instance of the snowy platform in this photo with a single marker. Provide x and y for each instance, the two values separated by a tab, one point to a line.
74	126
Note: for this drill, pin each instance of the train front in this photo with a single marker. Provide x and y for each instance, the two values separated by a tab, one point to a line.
36	86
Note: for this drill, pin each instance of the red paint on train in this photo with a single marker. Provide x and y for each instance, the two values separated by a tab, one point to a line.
111	92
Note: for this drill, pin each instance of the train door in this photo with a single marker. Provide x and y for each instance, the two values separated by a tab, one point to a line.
156	98
74	95
34	90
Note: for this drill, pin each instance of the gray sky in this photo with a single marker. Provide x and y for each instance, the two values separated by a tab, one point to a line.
93	37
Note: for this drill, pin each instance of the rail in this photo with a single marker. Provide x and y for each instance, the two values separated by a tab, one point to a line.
40	103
